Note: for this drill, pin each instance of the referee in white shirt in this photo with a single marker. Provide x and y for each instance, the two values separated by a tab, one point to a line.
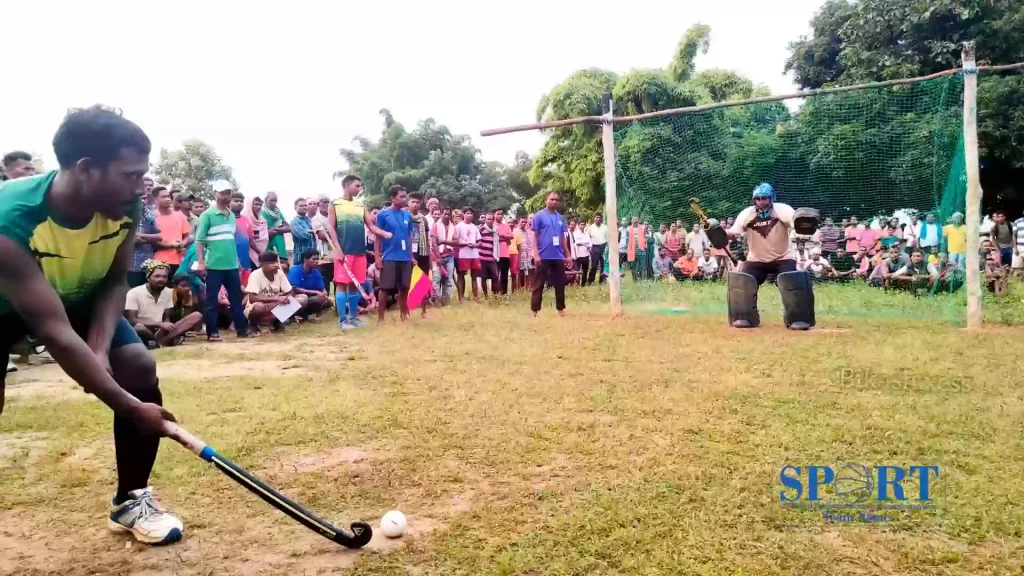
598	233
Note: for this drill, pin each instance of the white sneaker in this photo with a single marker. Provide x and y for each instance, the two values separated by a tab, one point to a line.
11	366
144	518
42	356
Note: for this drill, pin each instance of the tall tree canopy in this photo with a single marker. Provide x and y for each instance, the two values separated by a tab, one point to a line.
432	160
571	160
192	168
853	42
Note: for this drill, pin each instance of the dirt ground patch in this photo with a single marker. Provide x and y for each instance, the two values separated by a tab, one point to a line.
48	380
209	369
28	445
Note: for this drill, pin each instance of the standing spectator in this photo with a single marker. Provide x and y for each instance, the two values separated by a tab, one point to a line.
659	238
526	252
489	253
244	243
183	203
443	246
707	266
623	243
868	238
303	239
217	258
912	232
1002	235
513	256
175	230
955	235
277	227
929	234
268	288
581	250
697	240
307	281
197	208
147	240
18	164
148	309
392	254
504	233
662	266
829	236
419	235
891	235
469	256
1017	263
551	237
321	222
260	234
598	233
432	204
852	234
370	237
348	224
673	242
636	250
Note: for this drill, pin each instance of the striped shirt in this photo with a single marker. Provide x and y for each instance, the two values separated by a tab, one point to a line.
216	232
1018	233
488	244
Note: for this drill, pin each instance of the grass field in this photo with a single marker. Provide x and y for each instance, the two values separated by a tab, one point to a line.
646	445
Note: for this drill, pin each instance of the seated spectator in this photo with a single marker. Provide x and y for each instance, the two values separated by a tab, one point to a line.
894	254
818	267
268	287
185	302
307	280
148	308
843	265
662	266
917	275
995	273
887	264
863	263
707	266
686	266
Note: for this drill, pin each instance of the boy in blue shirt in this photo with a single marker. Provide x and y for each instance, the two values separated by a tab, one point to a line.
393	256
306	279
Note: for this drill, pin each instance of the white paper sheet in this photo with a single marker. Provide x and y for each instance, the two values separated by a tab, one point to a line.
285	311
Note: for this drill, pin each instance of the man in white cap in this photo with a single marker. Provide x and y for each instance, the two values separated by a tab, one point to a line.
217	257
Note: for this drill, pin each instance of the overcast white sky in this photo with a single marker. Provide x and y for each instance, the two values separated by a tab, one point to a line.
278	88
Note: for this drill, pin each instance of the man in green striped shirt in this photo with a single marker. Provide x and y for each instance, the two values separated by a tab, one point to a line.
218	261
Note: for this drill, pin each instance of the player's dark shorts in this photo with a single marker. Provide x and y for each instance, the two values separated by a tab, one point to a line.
395	276
762	270
14	330
488	269
423	262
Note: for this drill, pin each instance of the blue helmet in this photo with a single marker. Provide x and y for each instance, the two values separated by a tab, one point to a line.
764	190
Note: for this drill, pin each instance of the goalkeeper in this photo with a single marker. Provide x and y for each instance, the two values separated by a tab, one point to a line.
765	226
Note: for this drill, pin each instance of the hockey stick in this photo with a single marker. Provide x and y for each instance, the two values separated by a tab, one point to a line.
706	224
361	531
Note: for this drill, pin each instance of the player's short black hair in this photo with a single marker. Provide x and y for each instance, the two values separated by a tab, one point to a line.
12	157
99	133
311	253
416	195
157	190
297	200
268	256
917	250
237	194
350	178
395	190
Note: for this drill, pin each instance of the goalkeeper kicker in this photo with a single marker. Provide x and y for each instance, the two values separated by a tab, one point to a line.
766	226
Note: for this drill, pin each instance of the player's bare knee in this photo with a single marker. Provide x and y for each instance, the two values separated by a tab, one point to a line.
133	367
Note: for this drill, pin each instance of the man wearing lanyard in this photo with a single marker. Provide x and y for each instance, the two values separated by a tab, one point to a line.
598	233
552	237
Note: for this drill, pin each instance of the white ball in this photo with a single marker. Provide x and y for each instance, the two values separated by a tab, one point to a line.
393	524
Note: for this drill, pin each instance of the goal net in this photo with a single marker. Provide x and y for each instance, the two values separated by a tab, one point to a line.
890	154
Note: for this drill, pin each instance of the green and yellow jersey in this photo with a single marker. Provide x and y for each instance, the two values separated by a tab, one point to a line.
351	226
73	260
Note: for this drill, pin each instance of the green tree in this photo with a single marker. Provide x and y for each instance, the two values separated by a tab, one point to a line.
853	42
192	168
432	160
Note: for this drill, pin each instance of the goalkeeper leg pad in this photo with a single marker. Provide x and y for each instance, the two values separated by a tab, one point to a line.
743	300
797	299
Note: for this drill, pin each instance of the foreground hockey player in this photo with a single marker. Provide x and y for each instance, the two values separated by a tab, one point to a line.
765	226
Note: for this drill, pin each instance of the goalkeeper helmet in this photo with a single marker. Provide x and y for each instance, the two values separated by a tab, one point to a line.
765	190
